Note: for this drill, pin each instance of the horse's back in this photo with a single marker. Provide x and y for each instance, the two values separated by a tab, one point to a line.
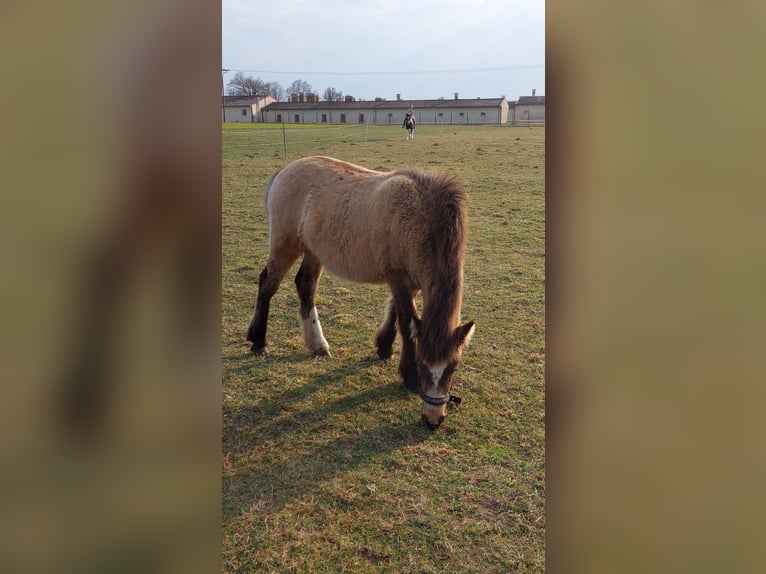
315	184
359	222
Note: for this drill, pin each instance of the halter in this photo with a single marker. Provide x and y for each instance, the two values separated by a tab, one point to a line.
439	401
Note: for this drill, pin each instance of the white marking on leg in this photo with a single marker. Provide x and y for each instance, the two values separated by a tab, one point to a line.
313	338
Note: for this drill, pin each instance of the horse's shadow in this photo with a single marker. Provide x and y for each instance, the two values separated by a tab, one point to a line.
259	440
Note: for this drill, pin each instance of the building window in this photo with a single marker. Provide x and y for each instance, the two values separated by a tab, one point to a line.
324	118
441	115
361	118
297	118
461	114
244	112
343	118
279	118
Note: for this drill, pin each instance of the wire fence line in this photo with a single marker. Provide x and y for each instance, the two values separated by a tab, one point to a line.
293	142
290	142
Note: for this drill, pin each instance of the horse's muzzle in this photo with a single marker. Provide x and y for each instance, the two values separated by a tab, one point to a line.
433	426
435	404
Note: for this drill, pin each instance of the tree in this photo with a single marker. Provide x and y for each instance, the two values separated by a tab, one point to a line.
241	85
276	91
300	87
333	95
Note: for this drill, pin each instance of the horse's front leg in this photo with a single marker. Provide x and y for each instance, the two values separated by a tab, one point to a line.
407	366
306	282
384	339
405	311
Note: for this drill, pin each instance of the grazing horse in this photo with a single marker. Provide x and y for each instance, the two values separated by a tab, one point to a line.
409	123
403	228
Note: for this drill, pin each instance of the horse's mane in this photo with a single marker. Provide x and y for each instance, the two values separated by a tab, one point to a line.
444	199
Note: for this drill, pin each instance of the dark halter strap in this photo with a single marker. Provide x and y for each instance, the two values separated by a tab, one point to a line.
439	401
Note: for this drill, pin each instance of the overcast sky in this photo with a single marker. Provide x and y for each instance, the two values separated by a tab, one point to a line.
421	49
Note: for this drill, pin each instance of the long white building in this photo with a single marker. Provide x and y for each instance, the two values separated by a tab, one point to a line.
387	112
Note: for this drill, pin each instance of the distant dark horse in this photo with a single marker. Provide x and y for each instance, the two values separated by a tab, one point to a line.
403	228
409	123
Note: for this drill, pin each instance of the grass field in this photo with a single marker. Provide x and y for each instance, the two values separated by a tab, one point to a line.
327	466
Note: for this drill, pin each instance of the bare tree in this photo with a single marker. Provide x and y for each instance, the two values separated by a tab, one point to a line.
300	87
333	95
241	85
275	90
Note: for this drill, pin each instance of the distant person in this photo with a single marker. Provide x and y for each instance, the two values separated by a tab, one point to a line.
409	123
410	115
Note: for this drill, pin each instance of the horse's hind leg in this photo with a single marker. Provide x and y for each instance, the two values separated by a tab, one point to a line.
306	282
384	339
268	283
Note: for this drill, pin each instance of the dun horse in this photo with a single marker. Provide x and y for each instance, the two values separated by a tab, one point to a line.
403	228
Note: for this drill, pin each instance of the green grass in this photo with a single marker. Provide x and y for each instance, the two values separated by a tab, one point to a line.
327	467
234	126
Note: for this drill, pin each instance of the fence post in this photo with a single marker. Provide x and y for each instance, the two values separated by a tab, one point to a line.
284	140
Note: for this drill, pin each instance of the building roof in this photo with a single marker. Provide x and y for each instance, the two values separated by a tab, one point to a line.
387	104
531	101
242	100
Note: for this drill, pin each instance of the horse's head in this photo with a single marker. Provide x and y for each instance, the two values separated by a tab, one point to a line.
436	377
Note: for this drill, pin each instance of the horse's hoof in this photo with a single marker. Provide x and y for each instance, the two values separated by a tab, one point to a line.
385	354
259	351
323	353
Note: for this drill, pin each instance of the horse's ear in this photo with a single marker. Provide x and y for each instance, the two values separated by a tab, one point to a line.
414	328
464	333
